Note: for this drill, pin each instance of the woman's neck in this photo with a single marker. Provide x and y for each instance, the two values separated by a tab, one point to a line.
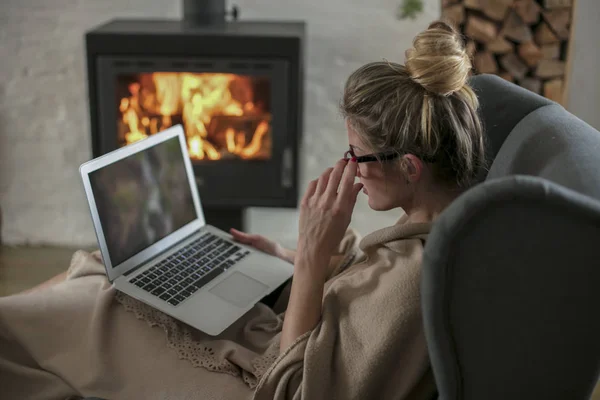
429	207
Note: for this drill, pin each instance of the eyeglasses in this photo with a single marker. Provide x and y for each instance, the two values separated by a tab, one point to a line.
386	156
371	157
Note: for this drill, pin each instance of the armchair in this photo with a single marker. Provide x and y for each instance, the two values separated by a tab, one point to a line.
511	273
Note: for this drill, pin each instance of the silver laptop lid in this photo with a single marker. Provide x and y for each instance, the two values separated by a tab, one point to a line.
143	198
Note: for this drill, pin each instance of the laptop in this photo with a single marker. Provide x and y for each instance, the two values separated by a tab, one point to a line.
156	244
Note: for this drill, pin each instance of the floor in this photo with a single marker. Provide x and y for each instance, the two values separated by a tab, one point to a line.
22	268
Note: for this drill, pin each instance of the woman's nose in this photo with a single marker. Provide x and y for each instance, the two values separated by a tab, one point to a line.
358	172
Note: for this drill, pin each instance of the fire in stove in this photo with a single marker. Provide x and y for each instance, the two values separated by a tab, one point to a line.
225	116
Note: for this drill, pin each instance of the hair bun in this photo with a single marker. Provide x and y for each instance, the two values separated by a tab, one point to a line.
438	60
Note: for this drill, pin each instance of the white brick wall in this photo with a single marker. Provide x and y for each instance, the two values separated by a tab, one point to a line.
44	127
44	133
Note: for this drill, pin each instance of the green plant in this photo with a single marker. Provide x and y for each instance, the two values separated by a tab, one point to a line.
409	9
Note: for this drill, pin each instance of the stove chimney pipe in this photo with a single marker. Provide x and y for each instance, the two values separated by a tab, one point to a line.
204	12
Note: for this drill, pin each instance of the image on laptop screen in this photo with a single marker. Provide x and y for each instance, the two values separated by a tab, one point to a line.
142	199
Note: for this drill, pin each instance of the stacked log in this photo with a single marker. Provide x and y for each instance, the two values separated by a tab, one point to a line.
523	41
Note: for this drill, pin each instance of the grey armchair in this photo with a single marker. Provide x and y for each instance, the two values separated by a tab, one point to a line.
511	273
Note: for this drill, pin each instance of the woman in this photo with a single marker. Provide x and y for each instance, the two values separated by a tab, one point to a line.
352	326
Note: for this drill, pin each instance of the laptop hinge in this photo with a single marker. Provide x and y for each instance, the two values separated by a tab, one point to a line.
131	271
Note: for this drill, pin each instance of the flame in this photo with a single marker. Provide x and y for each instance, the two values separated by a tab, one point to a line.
211	152
167	87
230	138
196	147
240	142
254	145
160	99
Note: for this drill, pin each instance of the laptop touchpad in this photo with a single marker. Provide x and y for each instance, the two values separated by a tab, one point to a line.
239	289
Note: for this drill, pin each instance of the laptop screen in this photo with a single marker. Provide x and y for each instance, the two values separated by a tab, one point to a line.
142	199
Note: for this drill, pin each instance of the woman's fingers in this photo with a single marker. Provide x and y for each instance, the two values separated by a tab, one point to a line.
310	190
356	190
323	181
347	181
334	179
259	242
241	237
341	177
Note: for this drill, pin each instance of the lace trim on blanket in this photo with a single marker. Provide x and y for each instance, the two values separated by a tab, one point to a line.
261	365
200	354
179	337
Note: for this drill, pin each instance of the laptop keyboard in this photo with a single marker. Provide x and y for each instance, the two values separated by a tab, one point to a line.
181	274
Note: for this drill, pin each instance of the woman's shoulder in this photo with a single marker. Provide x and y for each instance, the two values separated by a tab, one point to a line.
398	234
398	258
388	271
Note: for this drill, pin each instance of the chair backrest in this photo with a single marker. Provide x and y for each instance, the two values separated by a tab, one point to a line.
511	293
511	278
530	135
502	106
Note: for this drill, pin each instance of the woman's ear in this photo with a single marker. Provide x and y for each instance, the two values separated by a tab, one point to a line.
414	168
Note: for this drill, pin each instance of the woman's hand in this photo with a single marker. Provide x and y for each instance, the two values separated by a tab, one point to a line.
263	244
325	213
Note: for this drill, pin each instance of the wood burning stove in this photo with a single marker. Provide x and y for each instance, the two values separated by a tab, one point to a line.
235	86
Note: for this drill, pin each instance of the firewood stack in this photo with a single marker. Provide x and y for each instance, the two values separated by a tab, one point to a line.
523	41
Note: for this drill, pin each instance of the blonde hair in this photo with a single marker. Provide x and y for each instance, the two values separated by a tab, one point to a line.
425	107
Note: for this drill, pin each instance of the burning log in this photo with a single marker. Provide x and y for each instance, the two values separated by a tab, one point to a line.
238	135
223	113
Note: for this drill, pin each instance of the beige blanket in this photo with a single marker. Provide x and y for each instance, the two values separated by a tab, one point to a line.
81	337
